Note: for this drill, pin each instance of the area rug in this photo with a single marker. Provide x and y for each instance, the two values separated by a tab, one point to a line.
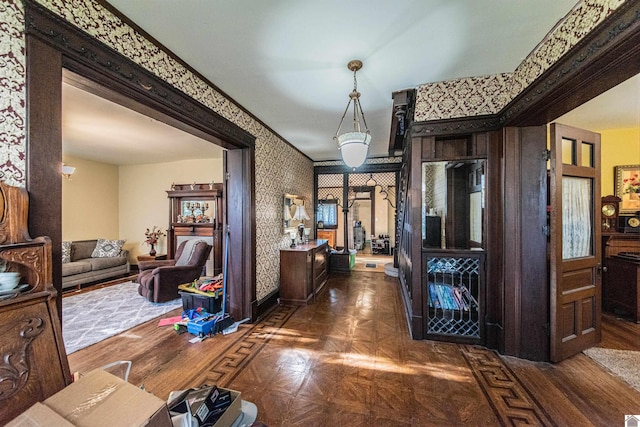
623	363
90	317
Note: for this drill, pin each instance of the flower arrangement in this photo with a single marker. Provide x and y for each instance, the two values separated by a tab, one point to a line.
632	184
153	235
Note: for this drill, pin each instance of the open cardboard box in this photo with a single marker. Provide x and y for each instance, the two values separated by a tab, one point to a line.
98	399
232	412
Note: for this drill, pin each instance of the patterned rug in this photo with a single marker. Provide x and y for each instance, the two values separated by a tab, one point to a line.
90	317
623	363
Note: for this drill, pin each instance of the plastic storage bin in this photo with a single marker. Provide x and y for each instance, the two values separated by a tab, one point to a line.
210	304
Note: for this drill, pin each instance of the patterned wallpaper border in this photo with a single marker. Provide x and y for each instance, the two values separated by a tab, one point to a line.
476	96
12	85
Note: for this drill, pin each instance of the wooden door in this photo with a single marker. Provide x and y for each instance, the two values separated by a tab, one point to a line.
575	236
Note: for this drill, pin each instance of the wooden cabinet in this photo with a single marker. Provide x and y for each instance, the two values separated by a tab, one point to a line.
329	235
33	361
197	211
612	244
454	295
304	270
623	286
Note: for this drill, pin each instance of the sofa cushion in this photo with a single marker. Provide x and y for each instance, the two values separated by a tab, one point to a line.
107	248
100	263
66	252
81	249
75	267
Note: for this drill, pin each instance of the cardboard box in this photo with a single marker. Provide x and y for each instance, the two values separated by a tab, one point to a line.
225	419
202	402
39	415
233	411
98	399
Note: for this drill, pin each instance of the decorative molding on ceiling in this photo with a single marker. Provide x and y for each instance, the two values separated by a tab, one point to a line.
477	96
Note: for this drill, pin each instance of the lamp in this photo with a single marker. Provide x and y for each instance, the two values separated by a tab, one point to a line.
67	171
301	215
354	145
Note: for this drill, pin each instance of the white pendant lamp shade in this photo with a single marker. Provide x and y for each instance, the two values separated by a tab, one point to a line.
354	147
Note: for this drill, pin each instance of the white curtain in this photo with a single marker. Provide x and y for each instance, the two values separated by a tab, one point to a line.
576	218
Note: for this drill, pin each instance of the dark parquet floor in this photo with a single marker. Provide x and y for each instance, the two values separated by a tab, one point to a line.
348	360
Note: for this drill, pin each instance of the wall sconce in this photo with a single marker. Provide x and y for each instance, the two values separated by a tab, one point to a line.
67	171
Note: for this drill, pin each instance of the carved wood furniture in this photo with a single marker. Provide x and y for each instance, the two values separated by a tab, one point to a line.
187	223
304	270
33	364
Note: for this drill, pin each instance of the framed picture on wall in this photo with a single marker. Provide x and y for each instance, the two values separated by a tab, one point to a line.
627	181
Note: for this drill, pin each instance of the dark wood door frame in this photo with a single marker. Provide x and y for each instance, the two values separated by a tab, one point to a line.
53	45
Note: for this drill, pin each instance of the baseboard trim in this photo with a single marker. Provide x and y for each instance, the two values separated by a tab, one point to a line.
267	304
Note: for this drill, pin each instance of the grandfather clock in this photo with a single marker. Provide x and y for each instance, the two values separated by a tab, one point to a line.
610	208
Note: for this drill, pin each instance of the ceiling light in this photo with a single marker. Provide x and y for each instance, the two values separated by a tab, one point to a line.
353	145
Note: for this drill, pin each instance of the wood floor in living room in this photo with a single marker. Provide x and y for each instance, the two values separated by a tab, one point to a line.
348	359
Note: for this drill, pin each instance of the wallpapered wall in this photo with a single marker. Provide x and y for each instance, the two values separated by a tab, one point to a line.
477	96
279	167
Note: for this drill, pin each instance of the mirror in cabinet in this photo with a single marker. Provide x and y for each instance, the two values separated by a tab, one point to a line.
453	204
197	211
296	217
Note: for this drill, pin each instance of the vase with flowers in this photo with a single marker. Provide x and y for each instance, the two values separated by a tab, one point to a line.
632	184
152	236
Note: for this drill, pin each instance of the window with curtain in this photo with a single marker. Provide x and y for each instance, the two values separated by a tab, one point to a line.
577	239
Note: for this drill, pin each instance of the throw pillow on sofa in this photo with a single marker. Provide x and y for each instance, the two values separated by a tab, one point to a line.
107	248
66	252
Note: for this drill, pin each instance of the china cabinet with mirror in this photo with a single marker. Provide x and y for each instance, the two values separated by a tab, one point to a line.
197	211
449	236
453	243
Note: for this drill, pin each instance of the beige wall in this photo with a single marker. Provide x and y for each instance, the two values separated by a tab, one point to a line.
90	202
115	202
619	147
143	197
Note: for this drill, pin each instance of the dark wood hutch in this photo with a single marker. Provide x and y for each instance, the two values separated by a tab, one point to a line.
34	363
196	211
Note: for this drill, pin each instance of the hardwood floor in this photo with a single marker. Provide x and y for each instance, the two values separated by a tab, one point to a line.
348	360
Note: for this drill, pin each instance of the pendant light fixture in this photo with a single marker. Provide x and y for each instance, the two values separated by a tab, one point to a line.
354	144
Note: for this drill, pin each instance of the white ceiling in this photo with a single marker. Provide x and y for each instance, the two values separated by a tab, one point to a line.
97	129
285	62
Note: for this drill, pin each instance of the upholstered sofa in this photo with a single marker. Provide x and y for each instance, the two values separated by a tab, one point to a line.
79	266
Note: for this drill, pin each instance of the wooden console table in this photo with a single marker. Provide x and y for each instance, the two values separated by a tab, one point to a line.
304	270
147	257
623	286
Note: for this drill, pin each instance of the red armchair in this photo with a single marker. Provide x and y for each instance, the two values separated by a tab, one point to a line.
159	280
